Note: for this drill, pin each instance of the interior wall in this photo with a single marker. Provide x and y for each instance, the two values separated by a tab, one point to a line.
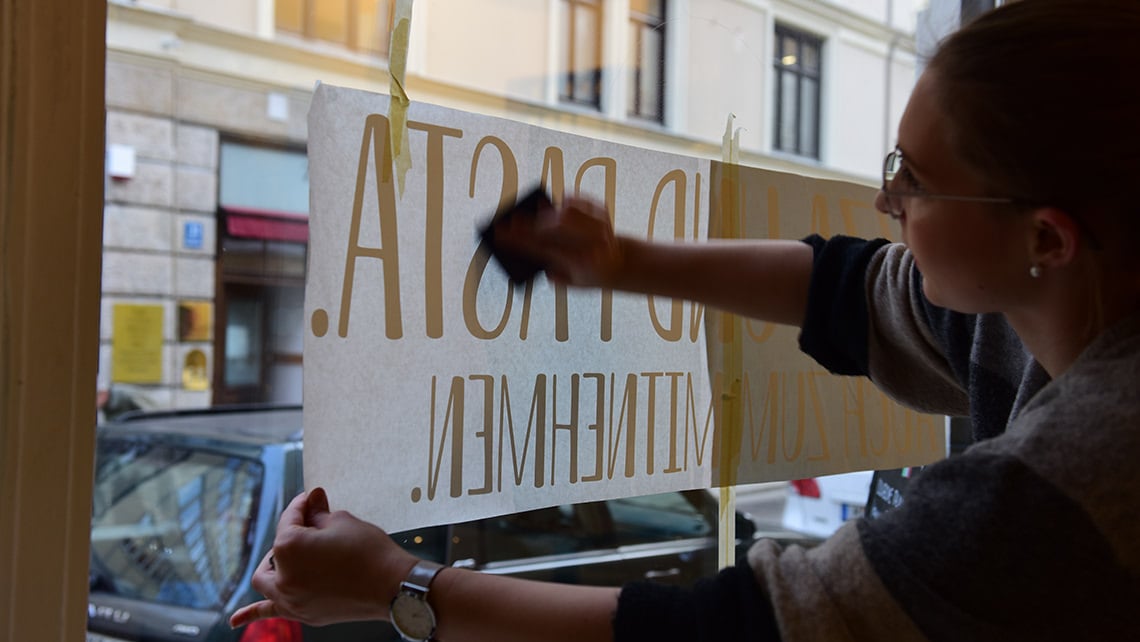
52	55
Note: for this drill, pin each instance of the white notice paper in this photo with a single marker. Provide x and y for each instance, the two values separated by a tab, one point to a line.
437	392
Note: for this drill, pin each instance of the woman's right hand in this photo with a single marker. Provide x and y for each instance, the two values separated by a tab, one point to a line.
575	243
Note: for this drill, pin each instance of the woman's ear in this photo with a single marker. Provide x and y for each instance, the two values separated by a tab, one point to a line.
1055	238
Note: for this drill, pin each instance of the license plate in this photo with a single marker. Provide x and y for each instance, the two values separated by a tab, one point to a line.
95	637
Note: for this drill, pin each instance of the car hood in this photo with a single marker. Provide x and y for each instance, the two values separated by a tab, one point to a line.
138	620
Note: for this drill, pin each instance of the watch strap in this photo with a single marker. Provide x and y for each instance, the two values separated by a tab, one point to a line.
421	575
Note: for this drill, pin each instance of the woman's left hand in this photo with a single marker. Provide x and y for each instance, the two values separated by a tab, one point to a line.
325	567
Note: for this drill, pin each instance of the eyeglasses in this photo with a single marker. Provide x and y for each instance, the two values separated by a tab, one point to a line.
893	165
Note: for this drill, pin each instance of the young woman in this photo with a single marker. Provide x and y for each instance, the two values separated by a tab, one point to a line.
1015	299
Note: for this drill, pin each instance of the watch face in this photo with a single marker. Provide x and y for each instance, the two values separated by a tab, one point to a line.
412	617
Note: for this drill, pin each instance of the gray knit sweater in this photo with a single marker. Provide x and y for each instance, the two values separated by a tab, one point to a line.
1031	534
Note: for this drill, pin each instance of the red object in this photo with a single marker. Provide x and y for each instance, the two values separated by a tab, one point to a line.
806	488
248	223
274	629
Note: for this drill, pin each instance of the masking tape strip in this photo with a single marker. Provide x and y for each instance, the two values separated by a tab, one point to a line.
730	426
398	105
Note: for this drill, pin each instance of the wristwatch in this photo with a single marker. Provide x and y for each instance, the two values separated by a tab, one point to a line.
412	616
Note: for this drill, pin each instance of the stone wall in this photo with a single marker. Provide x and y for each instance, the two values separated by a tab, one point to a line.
172	119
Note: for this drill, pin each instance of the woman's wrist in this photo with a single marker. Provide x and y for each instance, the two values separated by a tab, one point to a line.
391	571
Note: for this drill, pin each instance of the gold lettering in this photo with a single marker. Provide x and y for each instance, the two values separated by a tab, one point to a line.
696	310
885	405
571	427
508	193
800	419
651	420
433	225
674	404
676	178
628	403
771	417
854	415
700	440
453	416
536	421
847	209
487	434
609	178
554	181
598	425
376	136
820	422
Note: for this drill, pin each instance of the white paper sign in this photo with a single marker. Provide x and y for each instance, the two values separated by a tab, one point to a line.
435	392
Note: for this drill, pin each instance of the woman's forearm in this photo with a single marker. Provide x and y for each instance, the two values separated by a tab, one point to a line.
762	279
477	607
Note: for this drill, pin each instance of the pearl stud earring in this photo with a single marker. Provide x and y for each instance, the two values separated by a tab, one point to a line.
1035	270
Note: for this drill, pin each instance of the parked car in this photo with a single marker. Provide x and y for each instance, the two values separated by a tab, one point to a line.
818	506
186	503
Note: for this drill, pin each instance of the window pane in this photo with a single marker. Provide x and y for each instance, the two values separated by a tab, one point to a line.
330	20
651	80
546	531
263	178
633	77
372	26
290	15
565	52
586	63
787	50
654	518
243	342
786	134
810	61
809	121
650	8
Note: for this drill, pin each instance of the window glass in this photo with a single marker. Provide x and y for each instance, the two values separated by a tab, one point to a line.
290	15
359	25
646	60
655	518
547	531
797	100
581	51
809	117
215	215
330	20
425	543
266	179
371	21
244	319
170	525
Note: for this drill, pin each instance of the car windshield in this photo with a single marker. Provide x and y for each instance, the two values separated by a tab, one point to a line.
170	524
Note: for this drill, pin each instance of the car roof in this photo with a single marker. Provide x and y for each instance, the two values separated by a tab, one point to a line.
251	424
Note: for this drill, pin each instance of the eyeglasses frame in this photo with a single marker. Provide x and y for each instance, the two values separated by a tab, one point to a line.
896	158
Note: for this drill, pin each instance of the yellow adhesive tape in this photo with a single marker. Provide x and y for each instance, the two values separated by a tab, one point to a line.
731	416
398	106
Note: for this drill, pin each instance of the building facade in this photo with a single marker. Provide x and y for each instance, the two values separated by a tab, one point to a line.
206	186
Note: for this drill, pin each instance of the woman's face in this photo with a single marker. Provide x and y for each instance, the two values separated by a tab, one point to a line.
973	256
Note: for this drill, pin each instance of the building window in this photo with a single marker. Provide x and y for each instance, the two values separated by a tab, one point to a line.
360	25
646	81
580	75
797	83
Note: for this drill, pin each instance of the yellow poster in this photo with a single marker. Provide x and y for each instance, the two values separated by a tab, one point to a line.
136	343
